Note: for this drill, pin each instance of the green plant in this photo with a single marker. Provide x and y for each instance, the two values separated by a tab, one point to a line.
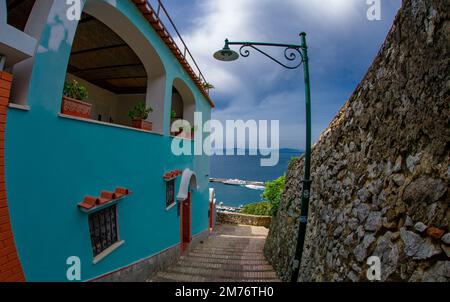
272	193
260	209
140	112
75	90
292	162
208	86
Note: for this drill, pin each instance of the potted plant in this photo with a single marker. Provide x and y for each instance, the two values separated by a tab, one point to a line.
72	102
208	86
173	115
139	116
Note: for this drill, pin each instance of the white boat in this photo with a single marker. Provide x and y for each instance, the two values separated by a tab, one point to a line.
254	187
235	182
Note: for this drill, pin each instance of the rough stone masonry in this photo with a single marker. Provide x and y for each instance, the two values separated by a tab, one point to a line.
381	169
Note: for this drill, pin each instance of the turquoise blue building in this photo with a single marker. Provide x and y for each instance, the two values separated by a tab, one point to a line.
82	183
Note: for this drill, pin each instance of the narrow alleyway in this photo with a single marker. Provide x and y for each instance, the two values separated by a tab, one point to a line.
232	254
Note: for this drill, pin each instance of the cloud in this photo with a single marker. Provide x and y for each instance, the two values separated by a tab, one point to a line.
342	45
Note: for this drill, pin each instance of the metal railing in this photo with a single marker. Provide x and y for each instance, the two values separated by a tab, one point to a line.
162	13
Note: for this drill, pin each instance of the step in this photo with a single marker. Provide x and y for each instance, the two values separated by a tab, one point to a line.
177	277
229	249
223	261
235	257
227	266
208	274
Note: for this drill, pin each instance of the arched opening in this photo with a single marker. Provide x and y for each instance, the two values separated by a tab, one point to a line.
18	12
183	109
115	64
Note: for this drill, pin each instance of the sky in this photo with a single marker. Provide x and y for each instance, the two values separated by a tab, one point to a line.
342	45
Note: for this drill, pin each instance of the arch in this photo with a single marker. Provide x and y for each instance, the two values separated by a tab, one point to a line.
19	13
134	73
121	25
183	102
188	181
15	45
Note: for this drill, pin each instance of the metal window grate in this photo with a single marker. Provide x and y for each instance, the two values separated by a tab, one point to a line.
103	228
170	193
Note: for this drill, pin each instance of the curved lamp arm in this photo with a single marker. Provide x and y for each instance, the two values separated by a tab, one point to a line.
292	53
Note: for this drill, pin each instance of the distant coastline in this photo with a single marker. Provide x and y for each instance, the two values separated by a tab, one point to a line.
240	180
248	151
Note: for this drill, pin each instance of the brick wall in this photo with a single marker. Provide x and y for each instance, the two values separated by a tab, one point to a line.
10	267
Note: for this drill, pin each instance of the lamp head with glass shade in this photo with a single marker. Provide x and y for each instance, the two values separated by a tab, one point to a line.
226	54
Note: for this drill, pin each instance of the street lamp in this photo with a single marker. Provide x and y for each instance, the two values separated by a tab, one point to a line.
291	53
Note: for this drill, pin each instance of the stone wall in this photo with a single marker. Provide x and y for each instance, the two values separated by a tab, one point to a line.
381	169
245	219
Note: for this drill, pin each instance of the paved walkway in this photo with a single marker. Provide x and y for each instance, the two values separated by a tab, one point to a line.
232	254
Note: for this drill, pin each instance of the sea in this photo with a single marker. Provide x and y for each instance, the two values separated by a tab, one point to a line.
245	168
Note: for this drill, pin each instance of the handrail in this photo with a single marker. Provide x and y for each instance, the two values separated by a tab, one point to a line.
186	51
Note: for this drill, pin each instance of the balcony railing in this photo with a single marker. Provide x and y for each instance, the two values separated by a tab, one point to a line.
158	16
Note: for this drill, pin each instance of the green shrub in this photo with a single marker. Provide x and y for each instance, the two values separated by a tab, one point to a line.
259	209
75	90
273	192
208	86
292	162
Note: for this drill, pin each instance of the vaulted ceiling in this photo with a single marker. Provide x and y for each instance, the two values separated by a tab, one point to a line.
101	57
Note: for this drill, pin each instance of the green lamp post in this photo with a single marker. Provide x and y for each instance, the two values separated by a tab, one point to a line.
291	53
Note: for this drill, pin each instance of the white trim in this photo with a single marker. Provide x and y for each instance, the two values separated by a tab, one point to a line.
188	181
171	206
107	252
19	107
65	116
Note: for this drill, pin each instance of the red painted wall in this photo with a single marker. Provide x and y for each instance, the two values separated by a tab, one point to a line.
10	267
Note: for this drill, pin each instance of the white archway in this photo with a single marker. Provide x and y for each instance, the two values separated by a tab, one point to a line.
188	181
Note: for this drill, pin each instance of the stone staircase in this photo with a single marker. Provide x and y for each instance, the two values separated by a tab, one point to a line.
232	254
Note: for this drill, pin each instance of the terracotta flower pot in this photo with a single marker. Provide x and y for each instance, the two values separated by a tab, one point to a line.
143	124
76	108
188	135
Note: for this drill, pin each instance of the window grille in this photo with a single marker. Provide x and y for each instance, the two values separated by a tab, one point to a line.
103	229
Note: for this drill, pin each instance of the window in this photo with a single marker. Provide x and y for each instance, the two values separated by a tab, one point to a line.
170	193
103	229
